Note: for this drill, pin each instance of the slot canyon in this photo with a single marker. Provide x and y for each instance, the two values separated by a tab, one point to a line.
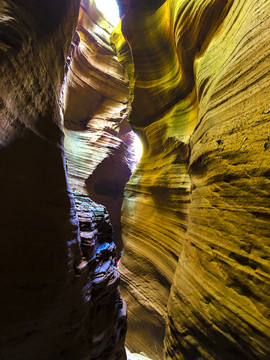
107	257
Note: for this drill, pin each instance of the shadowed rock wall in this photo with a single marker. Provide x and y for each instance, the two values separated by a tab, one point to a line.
195	267
57	301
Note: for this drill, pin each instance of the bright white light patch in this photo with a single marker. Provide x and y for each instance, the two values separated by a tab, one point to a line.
110	10
138	148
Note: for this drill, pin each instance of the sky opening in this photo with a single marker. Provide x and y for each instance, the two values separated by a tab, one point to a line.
138	148
110	10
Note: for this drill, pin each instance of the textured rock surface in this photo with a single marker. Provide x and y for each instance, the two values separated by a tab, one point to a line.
196	216
96	108
196	210
51	293
107	312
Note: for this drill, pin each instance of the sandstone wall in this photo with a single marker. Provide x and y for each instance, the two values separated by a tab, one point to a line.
39	236
98	139
196	210
59	296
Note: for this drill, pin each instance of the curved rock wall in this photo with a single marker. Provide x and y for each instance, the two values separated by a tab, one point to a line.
196	210
96	108
58	278
39	236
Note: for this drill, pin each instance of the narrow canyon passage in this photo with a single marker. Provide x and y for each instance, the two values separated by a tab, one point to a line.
105	258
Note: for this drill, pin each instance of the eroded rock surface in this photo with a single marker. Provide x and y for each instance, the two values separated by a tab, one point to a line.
97	103
196	211
52	292
196	215
107	312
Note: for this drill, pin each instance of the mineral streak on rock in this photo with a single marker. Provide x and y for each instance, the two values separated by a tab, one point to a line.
196	210
97	104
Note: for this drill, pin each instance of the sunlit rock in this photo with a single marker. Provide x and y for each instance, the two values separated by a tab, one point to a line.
98	140
192	79
196	211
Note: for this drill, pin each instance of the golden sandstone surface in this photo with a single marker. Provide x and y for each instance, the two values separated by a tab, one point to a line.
193	79
195	267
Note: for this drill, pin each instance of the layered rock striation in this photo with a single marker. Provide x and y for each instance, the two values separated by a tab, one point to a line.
99	138
195	267
58	278
107	311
